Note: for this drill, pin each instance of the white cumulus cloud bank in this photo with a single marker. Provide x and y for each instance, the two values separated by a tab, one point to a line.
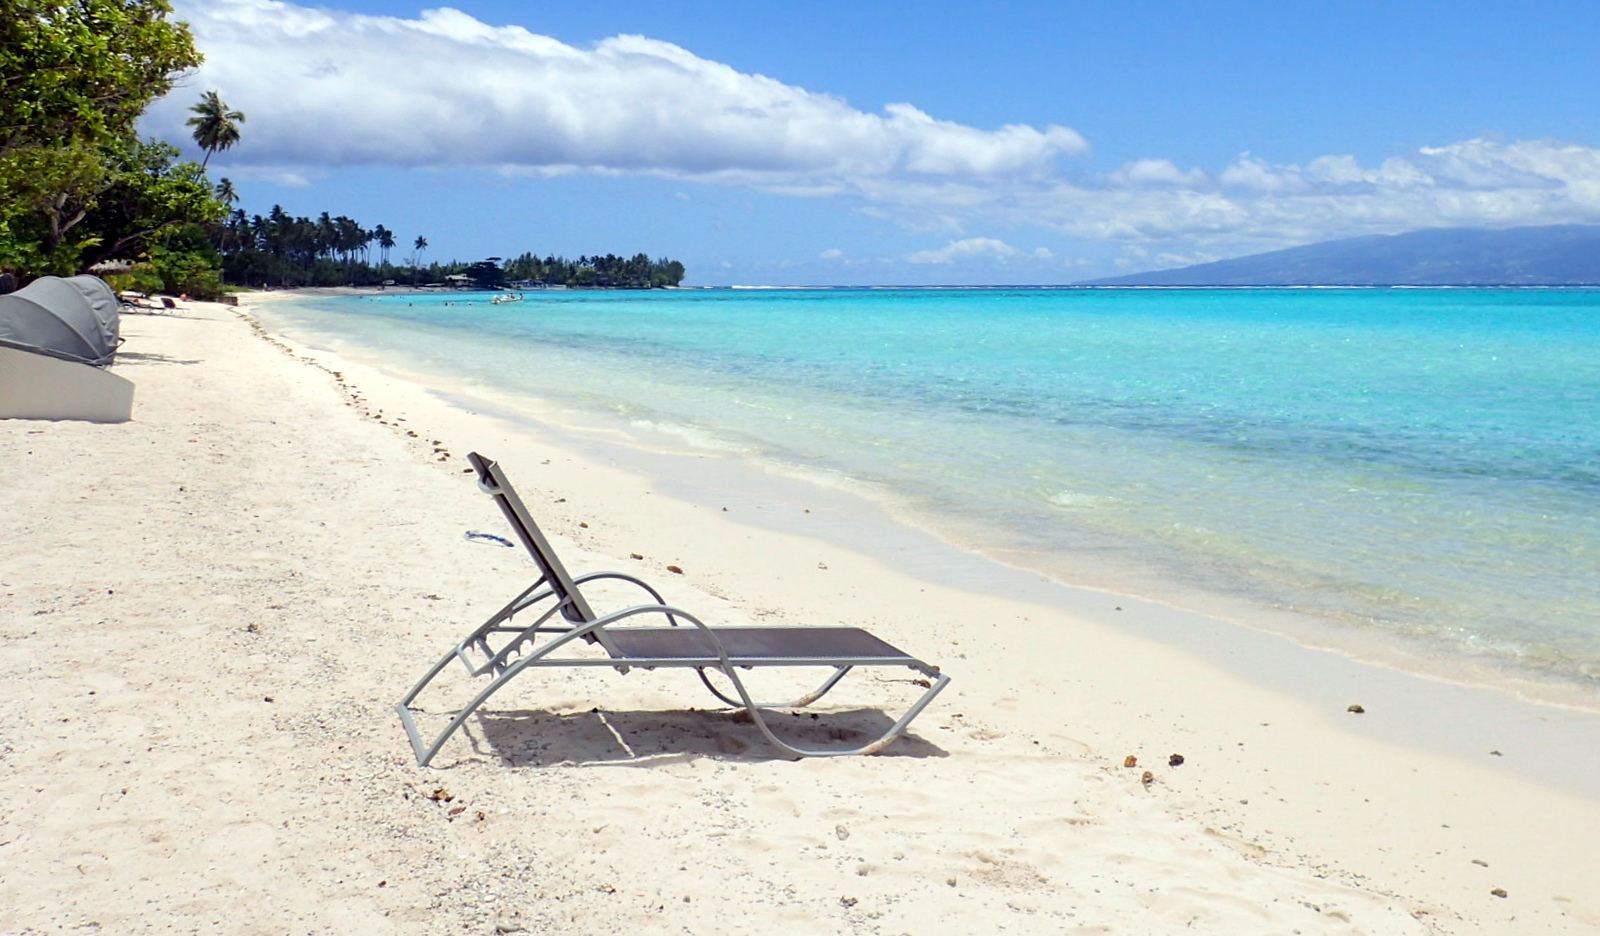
322	88
1252	204
1467	184
971	248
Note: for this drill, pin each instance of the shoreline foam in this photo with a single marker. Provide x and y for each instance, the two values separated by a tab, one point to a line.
155	783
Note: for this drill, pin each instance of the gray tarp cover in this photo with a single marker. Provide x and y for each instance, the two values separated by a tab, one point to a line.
74	319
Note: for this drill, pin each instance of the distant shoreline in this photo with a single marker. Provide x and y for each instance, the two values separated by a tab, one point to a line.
1056	287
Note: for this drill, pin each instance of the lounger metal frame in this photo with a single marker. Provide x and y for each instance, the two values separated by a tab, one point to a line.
501	649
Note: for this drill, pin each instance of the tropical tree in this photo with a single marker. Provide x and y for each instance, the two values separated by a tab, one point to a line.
74	77
486	273
418	247
47	194
85	70
329	250
148	195
226	193
325	235
385	242
215	127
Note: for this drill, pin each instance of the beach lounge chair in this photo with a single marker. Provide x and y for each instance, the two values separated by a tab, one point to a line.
649	636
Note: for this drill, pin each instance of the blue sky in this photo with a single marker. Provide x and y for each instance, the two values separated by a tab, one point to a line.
887	143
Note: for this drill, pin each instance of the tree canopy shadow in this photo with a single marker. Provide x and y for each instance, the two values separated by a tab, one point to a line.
139	357
528	738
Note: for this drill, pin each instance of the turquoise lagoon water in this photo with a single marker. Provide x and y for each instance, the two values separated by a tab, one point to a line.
1419	463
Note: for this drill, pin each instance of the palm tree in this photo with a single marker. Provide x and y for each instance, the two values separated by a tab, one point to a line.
239	222
420	246
226	193
215	127
385	241
326	235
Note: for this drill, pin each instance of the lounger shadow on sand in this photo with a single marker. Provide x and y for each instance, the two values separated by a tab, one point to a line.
541	738
558	615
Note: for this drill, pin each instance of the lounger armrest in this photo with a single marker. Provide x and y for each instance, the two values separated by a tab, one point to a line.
622	576
625	577
495	661
671	614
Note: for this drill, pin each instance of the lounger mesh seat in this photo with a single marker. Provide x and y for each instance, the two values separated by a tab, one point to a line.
557	614
806	645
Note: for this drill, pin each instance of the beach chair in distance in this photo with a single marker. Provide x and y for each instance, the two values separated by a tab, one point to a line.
648	636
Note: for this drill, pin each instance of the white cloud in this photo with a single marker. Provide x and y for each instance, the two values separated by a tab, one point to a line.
1255	175
832	253
1155	172
327	88
973	248
1169	260
1252	204
324	89
276	175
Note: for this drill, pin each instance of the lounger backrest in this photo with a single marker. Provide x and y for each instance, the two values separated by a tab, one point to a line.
573	606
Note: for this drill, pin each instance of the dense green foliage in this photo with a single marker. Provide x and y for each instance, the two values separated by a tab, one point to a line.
638	272
76	184
82	71
68	209
282	250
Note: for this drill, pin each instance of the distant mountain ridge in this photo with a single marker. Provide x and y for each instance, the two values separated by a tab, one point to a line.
1556	255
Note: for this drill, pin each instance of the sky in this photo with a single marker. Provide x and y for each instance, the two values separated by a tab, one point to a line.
895	143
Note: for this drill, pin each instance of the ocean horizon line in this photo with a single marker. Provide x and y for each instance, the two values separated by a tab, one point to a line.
1574	287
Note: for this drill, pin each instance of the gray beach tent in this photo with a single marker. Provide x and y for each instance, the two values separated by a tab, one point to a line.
57	336
74	319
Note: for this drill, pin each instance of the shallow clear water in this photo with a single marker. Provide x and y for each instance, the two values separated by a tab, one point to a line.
1421	462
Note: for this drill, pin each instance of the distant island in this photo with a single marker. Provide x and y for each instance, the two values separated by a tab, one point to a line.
286	251
1556	255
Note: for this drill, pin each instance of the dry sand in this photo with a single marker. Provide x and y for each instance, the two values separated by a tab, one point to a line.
207	614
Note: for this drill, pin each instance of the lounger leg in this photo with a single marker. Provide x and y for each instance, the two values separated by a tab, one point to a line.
428	678
756	713
404	707
802	702
874	747
424	751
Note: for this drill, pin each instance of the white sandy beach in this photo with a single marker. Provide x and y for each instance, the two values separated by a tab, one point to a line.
208	613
